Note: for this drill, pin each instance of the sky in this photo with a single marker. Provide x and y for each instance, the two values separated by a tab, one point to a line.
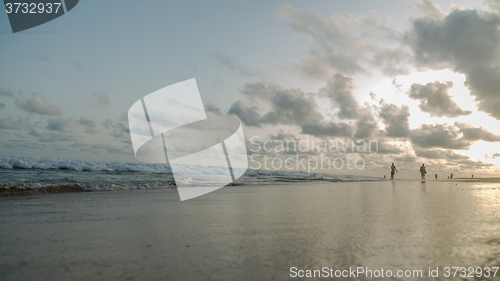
419	78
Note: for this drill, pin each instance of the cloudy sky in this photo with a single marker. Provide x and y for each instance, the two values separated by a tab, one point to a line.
422	78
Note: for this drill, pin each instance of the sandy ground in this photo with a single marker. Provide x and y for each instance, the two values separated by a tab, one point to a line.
251	233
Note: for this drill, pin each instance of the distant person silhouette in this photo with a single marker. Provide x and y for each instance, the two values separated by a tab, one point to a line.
393	171
448	177
451	176
472	177
436	176
384	176
422	172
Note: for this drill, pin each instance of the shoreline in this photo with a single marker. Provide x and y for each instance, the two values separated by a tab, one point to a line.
21	190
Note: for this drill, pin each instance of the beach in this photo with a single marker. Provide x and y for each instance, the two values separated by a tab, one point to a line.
251	232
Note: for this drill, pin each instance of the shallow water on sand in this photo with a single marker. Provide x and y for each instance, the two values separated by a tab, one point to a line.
251	232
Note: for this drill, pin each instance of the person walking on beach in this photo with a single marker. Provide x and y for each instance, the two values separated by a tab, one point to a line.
451	176
422	172
436	176
393	171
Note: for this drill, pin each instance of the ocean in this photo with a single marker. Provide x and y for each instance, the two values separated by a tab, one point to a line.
39	173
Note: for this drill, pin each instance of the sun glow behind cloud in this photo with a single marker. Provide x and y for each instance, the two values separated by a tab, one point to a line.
459	93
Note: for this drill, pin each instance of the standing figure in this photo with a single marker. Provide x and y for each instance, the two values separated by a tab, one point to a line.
472	177
393	171
451	176
422	172
436	176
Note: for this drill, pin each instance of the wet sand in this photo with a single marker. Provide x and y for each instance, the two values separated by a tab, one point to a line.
250	232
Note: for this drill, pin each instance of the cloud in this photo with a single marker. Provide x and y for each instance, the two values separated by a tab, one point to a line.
62	125
367	126
313	67
100	99
346	43
90	126
213	108
37	104
340	90
120	129
235	66
395	119
493	5
6	93
41	57
99	147
435	100
56	137
458	136
329	129
386	146
36	132
475	164
440	154
428	8
13	123
2	105
470	133
287	106
468	42
438	136
76	64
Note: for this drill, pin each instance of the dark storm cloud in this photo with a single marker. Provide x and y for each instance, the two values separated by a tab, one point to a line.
395	119
467	41
435	100
37	104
